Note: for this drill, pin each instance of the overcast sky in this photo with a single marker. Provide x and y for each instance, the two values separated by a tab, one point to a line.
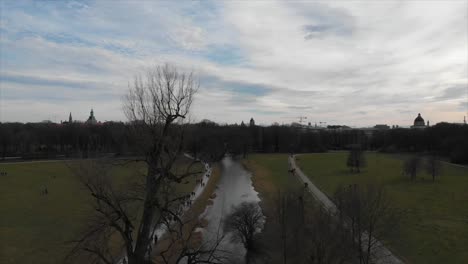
348	62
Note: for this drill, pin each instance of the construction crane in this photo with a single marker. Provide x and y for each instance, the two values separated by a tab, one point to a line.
322	123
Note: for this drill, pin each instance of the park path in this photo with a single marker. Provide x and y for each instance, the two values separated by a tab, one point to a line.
454	164
382	254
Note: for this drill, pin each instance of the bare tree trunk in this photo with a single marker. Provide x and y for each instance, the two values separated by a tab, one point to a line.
147	221
369	243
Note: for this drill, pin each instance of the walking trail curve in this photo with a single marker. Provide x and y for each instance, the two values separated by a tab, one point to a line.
382	255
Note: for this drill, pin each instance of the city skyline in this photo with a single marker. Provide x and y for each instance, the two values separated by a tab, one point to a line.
301	121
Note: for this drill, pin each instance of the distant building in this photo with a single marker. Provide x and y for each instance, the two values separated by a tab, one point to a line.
91	119
419	122
338	127
70	120
252	122
207	122
382	126
457	123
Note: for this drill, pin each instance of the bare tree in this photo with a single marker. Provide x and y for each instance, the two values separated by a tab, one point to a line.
303	232
113	212
290	217
356	159
245	221
411	167
155	106
282	220
329	241
367	213
433	166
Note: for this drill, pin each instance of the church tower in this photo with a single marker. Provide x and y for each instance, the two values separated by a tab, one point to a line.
70	119
91	118
252	122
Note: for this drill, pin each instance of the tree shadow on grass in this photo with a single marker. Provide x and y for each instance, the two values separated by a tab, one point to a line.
348	172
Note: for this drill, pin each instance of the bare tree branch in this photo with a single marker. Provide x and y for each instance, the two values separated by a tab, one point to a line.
155	106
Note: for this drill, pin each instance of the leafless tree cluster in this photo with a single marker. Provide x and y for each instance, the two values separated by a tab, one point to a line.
366	213
298	230
411	167
130	215
245	222
433	166
356	159
329	239
302	231
112	212
306	233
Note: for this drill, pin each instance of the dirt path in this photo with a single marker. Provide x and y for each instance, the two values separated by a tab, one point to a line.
382	254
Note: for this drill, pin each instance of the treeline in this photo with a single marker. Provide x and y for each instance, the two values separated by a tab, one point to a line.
239	139
50	140
46	140
211	141
443	139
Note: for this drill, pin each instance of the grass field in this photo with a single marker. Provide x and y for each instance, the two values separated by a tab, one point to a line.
271	170
434	228
34	227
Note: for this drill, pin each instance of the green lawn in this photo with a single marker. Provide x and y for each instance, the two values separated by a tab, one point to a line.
274	168
34	227
434	228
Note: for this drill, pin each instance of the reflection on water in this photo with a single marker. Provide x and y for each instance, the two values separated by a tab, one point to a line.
234	187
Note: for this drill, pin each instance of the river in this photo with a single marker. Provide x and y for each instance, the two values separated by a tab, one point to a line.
234	187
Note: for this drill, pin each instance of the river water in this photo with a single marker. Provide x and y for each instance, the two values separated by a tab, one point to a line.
234	187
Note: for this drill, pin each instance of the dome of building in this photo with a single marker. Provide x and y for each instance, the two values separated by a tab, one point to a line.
91	119
419	121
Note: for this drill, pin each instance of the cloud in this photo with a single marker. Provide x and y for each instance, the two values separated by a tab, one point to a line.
316	31
327	21
463	106
236	88
454	92
225	55
189	38
54	81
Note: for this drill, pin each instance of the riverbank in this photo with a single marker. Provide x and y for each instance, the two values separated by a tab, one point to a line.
270	176
190	235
